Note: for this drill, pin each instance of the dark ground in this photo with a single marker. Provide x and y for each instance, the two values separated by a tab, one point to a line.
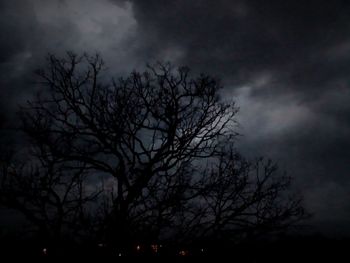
288	249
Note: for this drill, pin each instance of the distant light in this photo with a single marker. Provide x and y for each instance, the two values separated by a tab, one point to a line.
155	248
183	253
44	251
120	254
101	245
202	249
138	247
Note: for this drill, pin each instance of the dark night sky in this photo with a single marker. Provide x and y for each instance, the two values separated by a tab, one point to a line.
286	63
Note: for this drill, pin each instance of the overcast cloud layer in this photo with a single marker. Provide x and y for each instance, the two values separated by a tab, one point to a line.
286	63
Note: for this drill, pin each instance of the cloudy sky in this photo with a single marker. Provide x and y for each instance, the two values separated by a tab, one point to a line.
285	63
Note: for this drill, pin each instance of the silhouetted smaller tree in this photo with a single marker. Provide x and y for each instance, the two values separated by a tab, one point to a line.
51	194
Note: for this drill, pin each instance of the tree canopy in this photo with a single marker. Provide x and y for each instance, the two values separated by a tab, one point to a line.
149	157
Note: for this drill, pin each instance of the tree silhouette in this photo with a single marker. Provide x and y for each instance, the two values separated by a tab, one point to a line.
50	193
163	143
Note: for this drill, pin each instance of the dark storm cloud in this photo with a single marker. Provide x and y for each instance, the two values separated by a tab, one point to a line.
286	63
246	37
29	29
12	44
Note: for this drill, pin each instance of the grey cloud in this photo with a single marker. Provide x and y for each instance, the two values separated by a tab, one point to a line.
32	28
285	62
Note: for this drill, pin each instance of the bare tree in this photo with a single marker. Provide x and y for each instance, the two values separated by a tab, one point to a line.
51	194
243	198
159	137
228	198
